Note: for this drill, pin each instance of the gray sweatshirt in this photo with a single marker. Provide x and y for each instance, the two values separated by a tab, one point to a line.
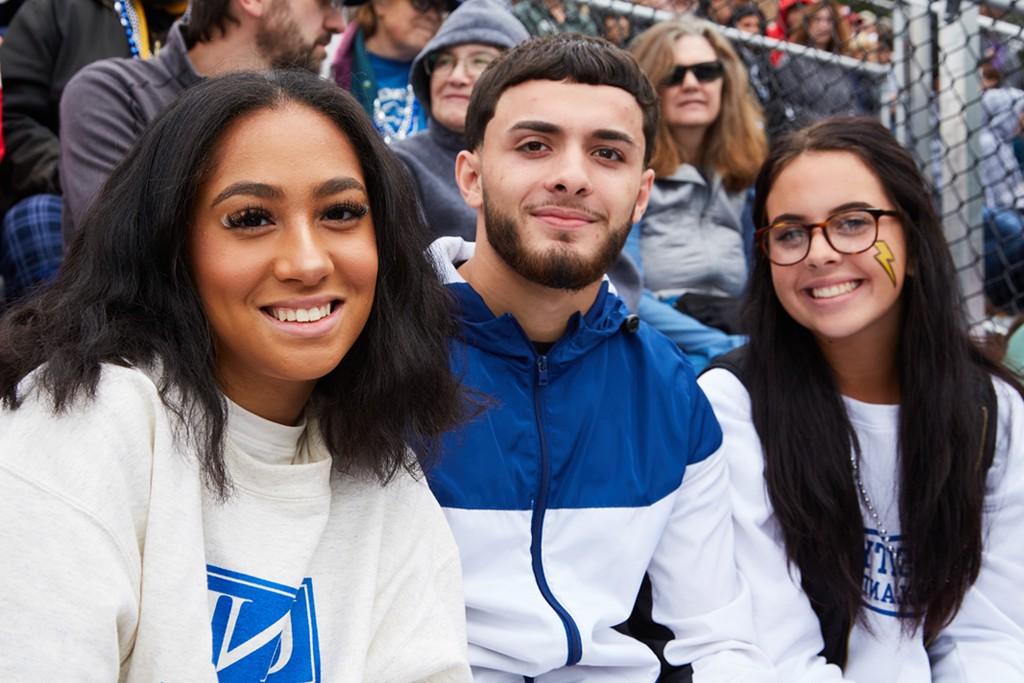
105	108
691	238
430	157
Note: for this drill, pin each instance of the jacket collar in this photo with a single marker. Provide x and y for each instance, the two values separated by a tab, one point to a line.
174	57
687	173
690	174
502	335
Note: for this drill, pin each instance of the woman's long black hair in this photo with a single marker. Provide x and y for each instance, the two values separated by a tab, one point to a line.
806	433
126	294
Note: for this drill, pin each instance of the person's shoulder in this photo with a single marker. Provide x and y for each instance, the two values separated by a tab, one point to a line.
121	380
121	392
1010	408
103	77
98	458
659	349
45	19
414	142
407	487
115	430
1006	473
662	368
401	505
415	150
723	386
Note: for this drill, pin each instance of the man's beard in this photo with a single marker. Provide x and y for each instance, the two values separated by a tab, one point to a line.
558	266
279	39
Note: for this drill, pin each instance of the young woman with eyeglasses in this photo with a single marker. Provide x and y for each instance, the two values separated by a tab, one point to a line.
875	450
709	145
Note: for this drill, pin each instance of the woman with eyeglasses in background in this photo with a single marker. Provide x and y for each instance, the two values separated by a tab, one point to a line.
874	450
375	54
709	145
443	76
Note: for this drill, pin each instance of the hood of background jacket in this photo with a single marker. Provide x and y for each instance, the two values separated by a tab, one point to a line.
489	22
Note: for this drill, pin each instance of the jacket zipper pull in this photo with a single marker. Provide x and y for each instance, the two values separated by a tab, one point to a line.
542	370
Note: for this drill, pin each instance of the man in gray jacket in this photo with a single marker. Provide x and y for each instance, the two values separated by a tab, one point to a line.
108	104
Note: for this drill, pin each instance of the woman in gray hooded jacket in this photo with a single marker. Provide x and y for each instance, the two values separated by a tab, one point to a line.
442	77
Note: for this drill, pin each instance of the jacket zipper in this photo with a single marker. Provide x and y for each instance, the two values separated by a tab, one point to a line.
572	632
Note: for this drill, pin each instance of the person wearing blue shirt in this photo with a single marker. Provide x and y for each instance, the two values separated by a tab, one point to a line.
375	55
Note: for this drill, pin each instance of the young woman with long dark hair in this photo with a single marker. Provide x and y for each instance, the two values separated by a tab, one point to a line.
203	456
878	483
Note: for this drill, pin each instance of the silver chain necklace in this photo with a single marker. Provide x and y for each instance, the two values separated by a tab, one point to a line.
404	126
866	499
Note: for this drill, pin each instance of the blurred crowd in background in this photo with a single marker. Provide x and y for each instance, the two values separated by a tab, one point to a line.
412	64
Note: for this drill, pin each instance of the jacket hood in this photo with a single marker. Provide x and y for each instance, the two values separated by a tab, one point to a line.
489	22
502	335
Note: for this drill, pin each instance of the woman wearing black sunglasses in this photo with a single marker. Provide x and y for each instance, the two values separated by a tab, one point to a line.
709	145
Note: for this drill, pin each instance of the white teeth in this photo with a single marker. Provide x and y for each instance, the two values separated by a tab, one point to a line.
302	315
834	290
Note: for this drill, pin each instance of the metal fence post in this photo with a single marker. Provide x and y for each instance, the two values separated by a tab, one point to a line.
916	72
959	123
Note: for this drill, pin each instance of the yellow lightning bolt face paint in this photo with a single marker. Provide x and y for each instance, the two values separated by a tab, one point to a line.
883	254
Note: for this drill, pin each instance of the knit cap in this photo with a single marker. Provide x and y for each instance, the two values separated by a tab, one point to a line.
489	22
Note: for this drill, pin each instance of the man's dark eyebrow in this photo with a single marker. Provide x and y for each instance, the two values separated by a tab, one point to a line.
337	185
246	187
608	134
614	136
536	127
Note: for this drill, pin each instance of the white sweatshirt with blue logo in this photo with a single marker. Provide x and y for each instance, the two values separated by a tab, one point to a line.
118	564
985	641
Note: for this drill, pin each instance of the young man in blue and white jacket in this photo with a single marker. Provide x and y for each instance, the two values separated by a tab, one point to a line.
595	462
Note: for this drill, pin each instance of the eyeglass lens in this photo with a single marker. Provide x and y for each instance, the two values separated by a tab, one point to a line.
705	72
474	63
849	232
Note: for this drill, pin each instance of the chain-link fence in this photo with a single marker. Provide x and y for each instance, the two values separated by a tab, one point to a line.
916	65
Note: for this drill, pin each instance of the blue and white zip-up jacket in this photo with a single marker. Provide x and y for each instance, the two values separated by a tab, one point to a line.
595	464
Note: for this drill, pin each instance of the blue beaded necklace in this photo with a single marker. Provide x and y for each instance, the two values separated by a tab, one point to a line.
134	27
